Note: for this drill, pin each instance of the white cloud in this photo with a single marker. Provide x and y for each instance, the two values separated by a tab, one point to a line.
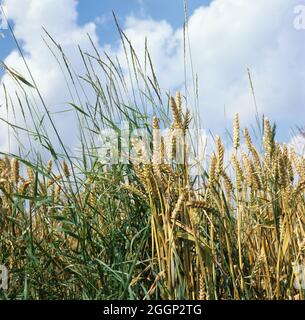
226	38
298	143
60	20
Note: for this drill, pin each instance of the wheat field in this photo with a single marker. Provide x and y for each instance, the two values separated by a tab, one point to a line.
72	227
234	234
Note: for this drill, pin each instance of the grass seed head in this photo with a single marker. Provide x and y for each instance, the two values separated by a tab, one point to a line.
15	171
236	132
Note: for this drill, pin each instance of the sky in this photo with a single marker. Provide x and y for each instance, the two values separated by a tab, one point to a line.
100	12
226	37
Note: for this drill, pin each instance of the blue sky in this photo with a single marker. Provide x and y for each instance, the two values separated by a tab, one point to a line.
226	36
101	12
157	9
